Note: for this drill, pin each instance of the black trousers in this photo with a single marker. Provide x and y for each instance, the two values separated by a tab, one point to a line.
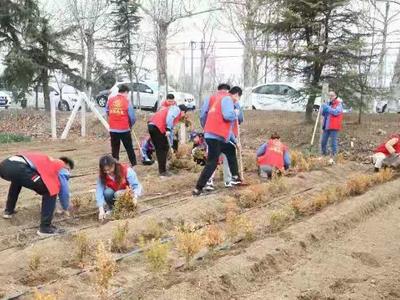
126	139
161	145
215	148
22	175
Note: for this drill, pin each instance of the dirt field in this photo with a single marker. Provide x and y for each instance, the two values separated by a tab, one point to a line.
283	241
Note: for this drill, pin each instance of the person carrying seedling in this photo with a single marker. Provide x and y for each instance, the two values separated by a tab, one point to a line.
272	156
43	174
121	118
170	101
332	124
220	124
161	129
147	151
387	153
114	179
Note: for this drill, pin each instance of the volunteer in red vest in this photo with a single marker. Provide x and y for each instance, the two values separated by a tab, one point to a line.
46	176
273	156
332	123
219	129
121	118
170	101
113	181
161	129
390	148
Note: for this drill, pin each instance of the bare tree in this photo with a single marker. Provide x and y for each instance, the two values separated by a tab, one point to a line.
91	16
163	13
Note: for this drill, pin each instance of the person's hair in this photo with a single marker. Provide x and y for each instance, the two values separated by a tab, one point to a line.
275	135
183	107
68	161
236	90
224	86
170	97
123	88
108	160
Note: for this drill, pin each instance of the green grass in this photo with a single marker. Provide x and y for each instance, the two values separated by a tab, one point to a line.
6	138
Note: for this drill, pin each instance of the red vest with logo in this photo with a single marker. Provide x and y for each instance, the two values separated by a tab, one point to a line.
273	156
118	117
159	119
167	103
382	147
112	184
48	168
335	122
215	123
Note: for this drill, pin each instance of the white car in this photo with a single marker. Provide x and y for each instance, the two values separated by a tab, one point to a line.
150	96
382	106
5	99
69	94
277	96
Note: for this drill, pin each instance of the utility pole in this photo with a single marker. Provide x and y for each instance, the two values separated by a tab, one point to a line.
192	46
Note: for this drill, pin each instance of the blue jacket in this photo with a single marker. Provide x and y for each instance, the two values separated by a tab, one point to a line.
333	114
132	181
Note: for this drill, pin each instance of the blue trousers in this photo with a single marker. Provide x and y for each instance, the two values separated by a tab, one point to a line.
333	135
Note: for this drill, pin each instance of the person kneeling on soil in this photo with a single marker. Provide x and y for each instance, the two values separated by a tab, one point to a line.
113	181
272	156
387	153
147	151
46	176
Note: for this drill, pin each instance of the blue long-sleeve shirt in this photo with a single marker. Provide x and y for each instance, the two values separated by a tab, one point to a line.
173	112
204	111
286	156
327	111
131	114
133	182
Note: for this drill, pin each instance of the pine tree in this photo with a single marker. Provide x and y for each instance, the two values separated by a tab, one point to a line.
126	23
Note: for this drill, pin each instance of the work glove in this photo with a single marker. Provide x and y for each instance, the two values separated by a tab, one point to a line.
102	213
134	200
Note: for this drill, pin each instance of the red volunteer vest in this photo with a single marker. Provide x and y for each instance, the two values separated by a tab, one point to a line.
382	148
216	124
118	117
48	168
273	156
167	103
335	122
159	119
112	184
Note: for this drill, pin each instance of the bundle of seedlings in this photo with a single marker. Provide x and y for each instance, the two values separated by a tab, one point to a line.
125	206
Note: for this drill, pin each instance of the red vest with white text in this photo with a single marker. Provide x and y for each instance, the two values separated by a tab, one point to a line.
118	117
48	168
215	123
159	119
382	147
273	156
112	184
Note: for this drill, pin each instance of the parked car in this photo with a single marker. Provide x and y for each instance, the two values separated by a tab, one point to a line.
70	96
102	97
150	95
382	106
278	96
5	99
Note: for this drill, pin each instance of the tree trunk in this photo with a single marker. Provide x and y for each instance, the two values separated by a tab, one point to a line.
46	91
37	96
83	53
395	84
202	69
361	104
161	51
314	88
90	57
277	60
382	55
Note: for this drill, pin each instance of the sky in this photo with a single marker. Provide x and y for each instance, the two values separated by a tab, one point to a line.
228	50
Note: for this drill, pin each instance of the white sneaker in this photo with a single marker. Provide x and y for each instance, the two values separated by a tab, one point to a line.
209	188
331	161
228	184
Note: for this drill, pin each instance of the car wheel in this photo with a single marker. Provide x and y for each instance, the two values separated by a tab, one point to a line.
384	108
102	101
253	107
316	107
155	107
63	106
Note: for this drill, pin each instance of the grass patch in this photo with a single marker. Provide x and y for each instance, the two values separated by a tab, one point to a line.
6	138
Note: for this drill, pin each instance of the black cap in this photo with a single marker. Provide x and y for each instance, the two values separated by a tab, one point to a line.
183	107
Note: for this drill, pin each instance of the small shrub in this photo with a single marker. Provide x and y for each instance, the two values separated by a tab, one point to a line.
251	196
182	164
188	243
237	225
41	296
6	138
76	203
153	229
320	200
209	216
184	151
231	207
119	241
125	206
156	254
297	204
299	162
34	262
214	236
383	176
277	186
358	184
105	270
82	247
279	218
